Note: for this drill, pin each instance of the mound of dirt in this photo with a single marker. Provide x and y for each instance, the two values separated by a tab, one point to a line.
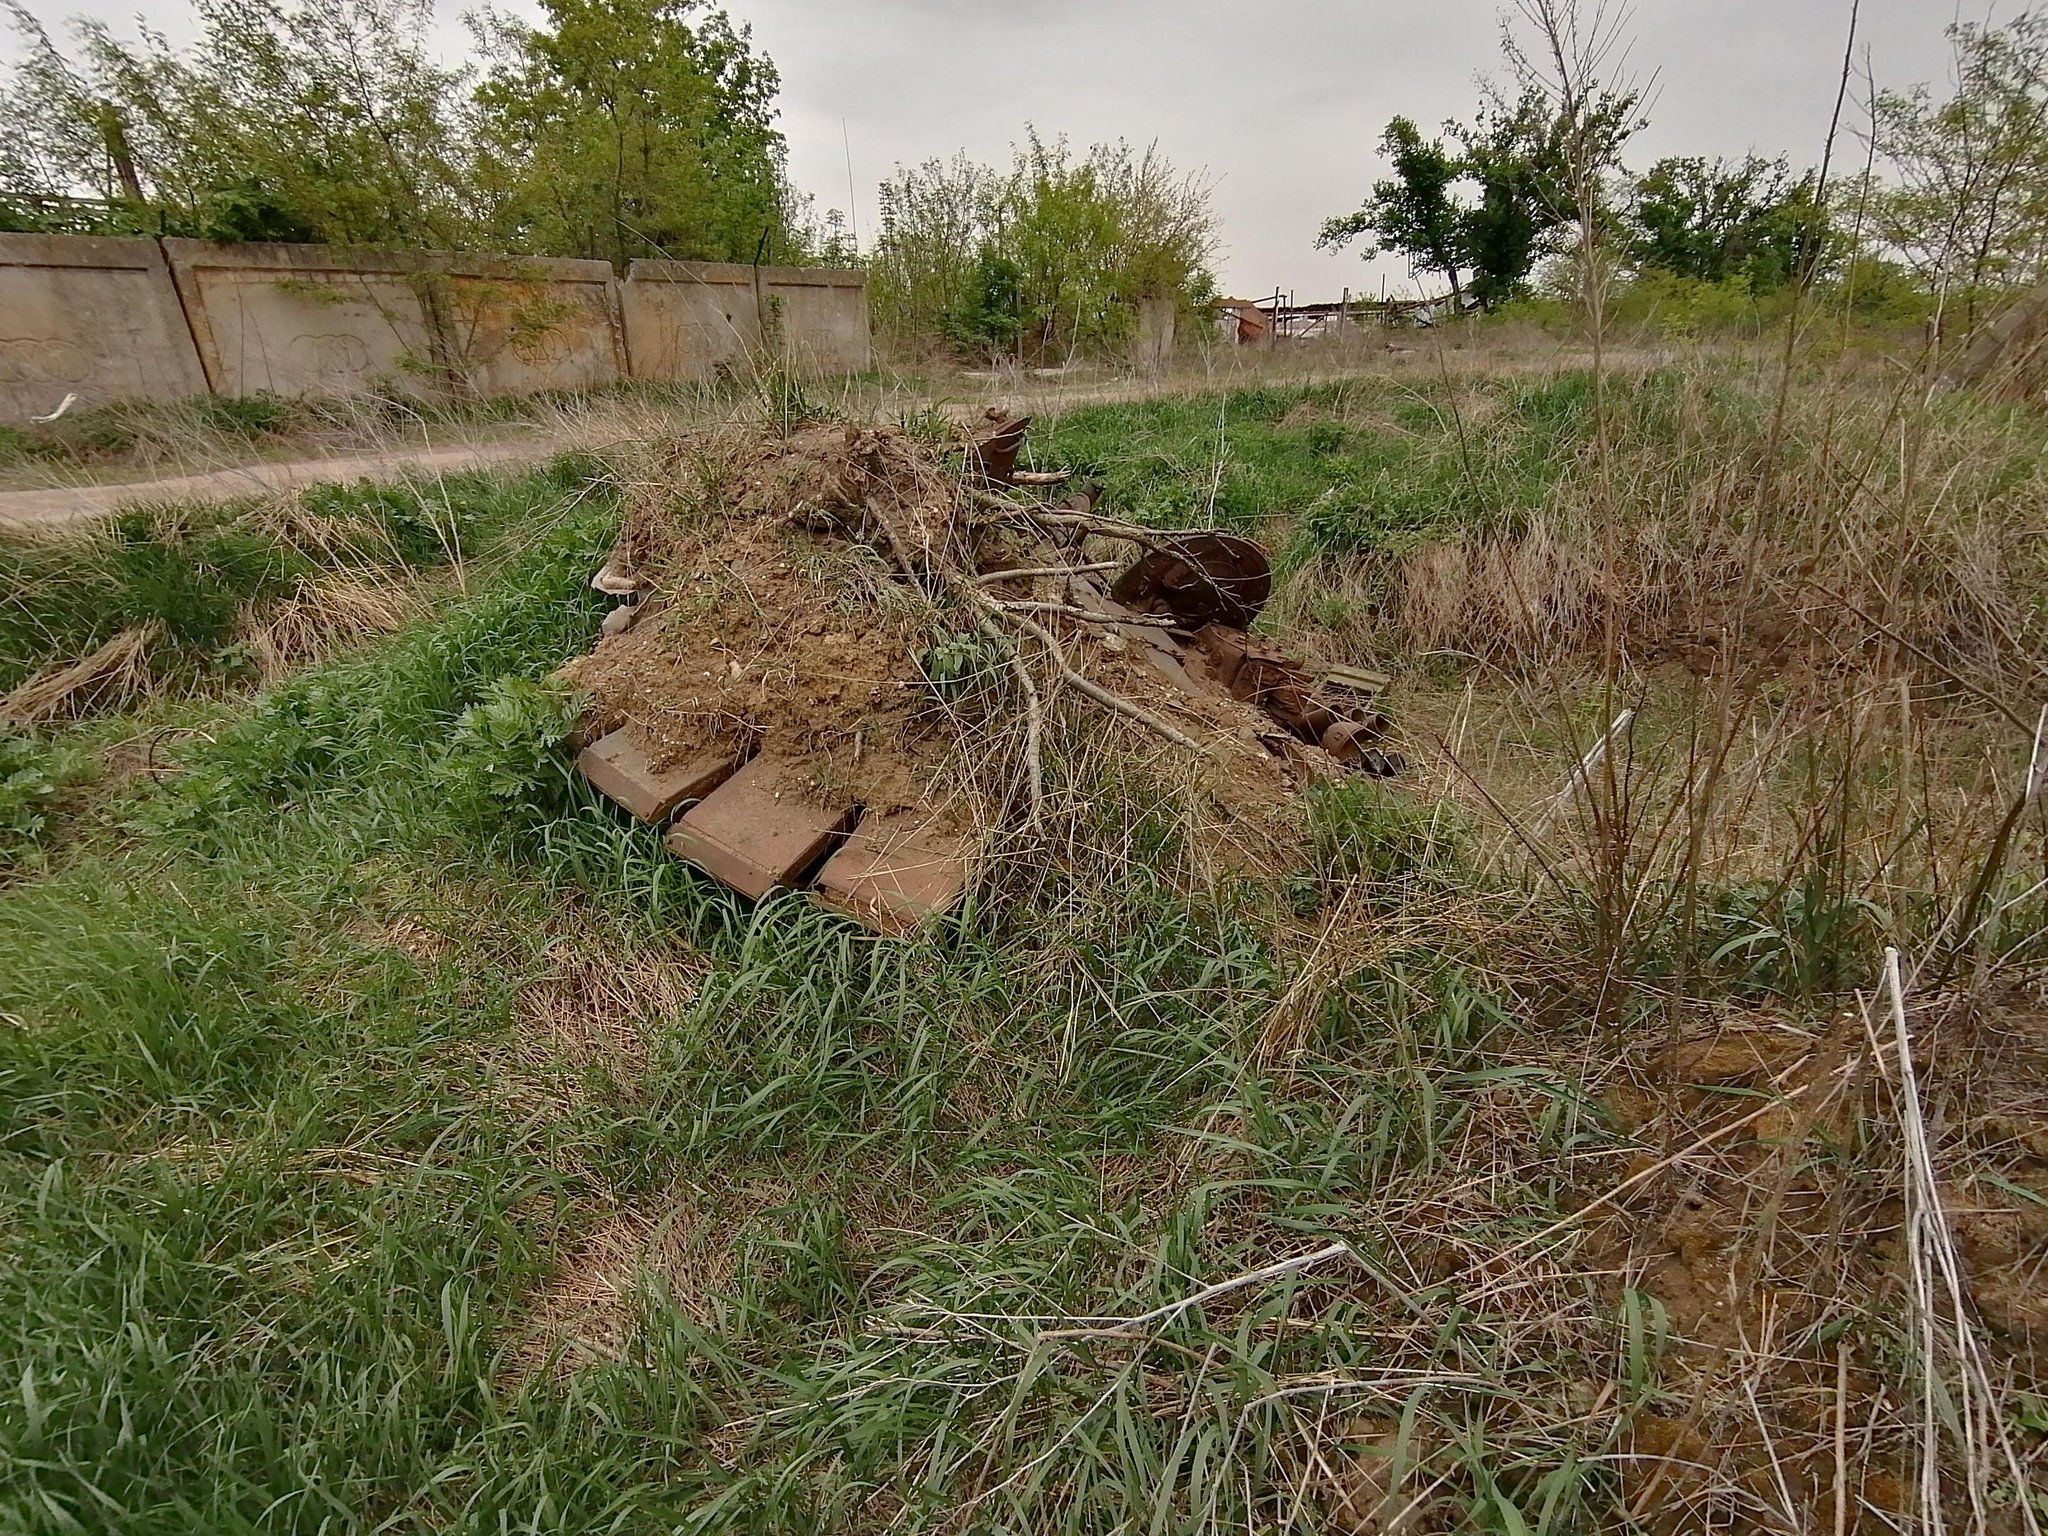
847	602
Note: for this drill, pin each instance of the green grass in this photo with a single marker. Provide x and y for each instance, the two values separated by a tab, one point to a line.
194	572
292	1166
277	1193
1347	467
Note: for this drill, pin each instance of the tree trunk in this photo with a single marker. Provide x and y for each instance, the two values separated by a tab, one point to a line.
115	132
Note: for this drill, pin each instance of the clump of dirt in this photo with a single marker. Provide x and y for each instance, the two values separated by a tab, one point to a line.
792	588
1777	1234
776	621
773	638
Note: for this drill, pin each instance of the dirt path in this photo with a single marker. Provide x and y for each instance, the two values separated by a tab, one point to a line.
58	505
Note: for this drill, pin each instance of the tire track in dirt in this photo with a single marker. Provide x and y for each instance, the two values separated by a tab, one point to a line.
56	506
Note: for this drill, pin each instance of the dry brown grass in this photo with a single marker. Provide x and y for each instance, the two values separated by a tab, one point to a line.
586	1312
596	1007
108	676
1834	664
323	616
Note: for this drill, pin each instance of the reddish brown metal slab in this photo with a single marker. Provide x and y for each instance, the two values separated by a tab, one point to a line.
618	767
763	829
896	872
1267	678
993	455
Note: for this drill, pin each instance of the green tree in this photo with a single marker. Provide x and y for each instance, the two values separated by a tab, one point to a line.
1050	256
1964	203
936	220
1718	221
1413	213
1527	157
988	319
321	119
623	128
1501	202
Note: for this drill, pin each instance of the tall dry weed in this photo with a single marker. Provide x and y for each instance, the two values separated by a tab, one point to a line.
325	614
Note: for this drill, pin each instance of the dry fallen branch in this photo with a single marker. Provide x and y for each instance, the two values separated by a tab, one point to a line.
1044	516
1025	573
1115	703
1034	722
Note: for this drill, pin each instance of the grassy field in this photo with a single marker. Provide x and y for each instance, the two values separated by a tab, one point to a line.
394	1138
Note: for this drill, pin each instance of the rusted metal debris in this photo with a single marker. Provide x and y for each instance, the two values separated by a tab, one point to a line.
993	455
1214	586
1205	578
1265	677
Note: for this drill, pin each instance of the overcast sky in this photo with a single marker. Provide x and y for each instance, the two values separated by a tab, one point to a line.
1281	104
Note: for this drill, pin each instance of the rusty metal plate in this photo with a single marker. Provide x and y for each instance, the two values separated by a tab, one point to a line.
1203	578
993	456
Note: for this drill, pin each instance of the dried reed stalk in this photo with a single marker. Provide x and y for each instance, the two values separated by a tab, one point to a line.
116	671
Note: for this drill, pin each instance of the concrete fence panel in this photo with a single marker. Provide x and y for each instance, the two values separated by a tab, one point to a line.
92	316
519	325
303	319
1152	345
687	319
326	320
111	319
823	318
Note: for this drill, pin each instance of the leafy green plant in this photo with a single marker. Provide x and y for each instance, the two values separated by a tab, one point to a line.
1794	939
34	776
504	753
965	668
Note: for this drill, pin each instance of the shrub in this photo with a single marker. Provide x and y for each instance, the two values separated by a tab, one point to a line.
503	756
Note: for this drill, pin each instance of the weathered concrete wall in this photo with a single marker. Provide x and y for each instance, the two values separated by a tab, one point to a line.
325	320
301	319
824	318
531	324
94	317
686	319
122	319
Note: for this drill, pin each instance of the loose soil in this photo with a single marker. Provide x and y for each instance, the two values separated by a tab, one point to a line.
781	618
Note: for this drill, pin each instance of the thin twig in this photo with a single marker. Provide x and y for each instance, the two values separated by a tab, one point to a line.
1034	721
1096	691
1025	572
1173	1309
1085	615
